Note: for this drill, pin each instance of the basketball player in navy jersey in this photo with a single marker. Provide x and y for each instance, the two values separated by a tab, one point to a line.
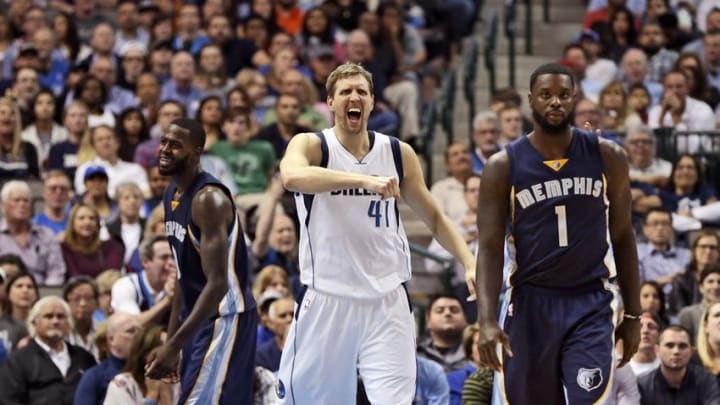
219	321
354	316
560	198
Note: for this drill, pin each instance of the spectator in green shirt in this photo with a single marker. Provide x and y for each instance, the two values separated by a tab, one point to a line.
252	162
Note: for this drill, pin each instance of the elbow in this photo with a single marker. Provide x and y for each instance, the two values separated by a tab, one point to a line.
289	180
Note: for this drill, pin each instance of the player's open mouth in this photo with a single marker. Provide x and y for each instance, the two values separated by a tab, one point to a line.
354	115
164	161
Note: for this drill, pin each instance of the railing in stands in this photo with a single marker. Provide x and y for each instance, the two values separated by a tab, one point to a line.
470	70
528	28
447	104
703	145
425	144
489	51
510	17
447	264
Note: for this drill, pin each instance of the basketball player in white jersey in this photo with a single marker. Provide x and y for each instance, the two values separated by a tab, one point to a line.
354	316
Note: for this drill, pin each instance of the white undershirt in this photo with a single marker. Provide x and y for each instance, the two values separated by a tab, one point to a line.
61	359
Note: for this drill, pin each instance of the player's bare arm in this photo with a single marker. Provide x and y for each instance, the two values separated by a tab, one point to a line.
493	208
300	172
623	241
417	196
214	256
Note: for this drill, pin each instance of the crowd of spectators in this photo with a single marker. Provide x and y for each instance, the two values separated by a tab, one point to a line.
88	86
86	89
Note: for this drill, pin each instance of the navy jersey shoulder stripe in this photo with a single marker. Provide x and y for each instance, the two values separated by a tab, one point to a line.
397	158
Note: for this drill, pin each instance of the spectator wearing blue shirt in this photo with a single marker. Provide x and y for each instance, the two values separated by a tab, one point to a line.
189	35
121	328
456	378
485	136
56	198
659	260
179	86
280	314
432	386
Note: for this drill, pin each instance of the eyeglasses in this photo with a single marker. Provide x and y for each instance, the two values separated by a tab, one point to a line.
710	247
78	299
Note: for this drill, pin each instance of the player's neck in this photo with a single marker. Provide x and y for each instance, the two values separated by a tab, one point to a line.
551	146
357	144
184	180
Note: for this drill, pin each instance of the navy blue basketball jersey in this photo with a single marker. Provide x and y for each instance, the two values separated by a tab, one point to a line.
185	237
558	225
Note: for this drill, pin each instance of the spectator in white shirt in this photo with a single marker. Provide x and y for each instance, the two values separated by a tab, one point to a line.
48	369
682	112
104	141
149	292
645	359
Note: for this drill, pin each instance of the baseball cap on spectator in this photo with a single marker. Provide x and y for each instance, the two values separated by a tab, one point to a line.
321	52
589	35
267	298
95	171
132	46
148	5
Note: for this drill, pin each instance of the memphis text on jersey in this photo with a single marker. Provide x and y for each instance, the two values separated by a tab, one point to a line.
175	229
559	188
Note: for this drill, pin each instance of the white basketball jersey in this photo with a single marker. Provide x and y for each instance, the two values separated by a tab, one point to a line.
352	243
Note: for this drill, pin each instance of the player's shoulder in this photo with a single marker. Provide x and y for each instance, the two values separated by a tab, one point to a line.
611	152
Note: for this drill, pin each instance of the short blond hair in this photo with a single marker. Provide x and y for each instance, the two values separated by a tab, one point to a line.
347	69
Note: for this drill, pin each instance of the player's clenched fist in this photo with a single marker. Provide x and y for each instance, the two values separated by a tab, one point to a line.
387	187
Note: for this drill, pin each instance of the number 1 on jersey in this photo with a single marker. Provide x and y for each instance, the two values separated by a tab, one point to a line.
562	225
374	212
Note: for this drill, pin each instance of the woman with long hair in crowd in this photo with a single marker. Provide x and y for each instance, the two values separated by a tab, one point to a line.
20	158
67	36
210	116
698	84
685	287
708	340
132	131
43	131
317	30
21	293
639	101
620	35
616	115
83	251
131	387
652	300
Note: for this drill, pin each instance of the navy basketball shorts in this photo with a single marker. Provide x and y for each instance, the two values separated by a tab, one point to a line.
218	364
563	347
